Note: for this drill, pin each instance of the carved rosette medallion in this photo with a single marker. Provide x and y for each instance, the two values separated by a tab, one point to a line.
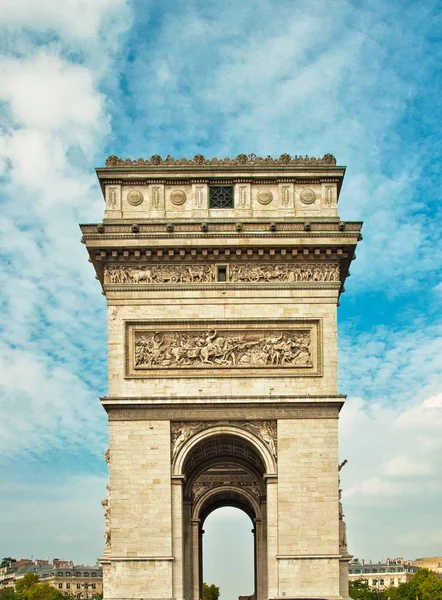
264	196
307	196
182	431
135	197
178	197
218	348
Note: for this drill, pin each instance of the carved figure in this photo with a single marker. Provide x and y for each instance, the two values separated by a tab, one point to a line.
203	349
107	531
160	274
181	431
268	439
107	456
290	272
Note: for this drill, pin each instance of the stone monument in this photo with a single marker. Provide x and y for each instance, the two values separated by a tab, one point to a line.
222	279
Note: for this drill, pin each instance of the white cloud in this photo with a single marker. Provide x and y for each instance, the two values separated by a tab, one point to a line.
79	20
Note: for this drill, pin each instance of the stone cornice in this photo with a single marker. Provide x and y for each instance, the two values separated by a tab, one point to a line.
228	409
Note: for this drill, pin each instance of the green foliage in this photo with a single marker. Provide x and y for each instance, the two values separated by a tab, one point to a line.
43	591
6	561
210	592
424	586
7	593
360	589
24	584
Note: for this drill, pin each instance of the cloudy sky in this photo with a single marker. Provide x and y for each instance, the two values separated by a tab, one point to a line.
83	79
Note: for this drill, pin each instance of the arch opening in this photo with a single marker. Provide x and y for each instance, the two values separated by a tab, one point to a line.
223	470
229	552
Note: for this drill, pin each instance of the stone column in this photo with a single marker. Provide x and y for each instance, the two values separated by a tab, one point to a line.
272	535
187	548
177	536
259	553
195	559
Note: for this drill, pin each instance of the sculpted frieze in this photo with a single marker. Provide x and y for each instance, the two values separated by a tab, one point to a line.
236	273
288	272
160	274
210	348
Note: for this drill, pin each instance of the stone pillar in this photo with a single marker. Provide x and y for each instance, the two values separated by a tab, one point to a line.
187	548
259	555
272	536
195	559
177	537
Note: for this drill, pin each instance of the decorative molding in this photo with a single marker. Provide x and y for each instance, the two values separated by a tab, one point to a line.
250	160
156	197
210	411
201	487
285	199
135	197
182	431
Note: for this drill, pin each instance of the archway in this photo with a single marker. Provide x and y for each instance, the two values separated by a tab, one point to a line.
222	466
228	552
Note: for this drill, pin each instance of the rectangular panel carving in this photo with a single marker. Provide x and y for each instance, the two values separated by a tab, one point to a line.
223	348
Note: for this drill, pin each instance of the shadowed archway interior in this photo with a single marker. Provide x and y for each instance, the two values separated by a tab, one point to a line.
223	470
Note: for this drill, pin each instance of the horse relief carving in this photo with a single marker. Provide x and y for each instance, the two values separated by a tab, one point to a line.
211	348
161	274
284	272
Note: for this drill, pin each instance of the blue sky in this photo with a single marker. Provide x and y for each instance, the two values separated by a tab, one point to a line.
81	80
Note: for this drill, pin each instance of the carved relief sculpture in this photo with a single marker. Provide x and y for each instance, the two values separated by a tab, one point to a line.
284	272
107	531
183	431
203	349
161	274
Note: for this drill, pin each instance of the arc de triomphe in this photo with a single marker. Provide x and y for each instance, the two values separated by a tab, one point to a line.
222	279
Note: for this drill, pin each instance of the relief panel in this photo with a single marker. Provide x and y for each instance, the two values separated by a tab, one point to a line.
223	348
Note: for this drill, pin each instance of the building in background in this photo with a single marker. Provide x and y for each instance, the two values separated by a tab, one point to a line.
80	581
434	563
381	575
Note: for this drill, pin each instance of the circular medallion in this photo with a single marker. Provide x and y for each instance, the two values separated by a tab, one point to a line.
265	196
135	197
308	196
178	197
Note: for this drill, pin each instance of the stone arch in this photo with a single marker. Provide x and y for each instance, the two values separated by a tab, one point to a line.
253	440
229	495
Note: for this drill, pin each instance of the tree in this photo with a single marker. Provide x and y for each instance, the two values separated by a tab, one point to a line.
43	591
424	586
360	589
7	561
7	593
210	592
24	584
